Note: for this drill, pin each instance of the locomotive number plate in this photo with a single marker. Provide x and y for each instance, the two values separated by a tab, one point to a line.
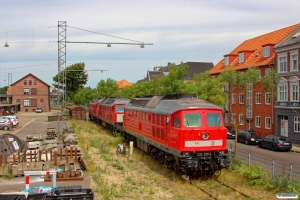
206	143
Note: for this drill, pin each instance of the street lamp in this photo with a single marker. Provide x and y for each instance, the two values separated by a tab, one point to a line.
6	45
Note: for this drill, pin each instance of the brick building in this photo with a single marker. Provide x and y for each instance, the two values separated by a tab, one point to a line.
255	52
31	93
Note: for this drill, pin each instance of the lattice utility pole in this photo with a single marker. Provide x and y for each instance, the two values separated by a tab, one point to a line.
62	35
9	79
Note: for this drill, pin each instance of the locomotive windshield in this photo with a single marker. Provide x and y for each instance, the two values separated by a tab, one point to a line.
120	109
214	119
192	119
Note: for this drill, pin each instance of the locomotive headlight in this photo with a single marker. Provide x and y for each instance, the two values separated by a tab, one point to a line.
205	136
186	154
252	139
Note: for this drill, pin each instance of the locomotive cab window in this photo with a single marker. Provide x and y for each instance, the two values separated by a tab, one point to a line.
176	122
192	120
120	109
214	119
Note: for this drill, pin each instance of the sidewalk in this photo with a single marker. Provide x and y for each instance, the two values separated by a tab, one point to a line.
296	148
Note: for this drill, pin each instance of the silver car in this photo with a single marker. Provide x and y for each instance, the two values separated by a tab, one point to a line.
5	124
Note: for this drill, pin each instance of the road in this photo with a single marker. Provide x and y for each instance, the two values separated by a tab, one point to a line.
266	156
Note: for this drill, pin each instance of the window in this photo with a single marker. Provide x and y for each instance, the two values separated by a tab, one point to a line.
34	82
241	57
241	119
267	71
258	98
267	122
25	82
241	98
192	119
267	98
118	108
297	124
294	93
257	121
30	82
282	93
226	118
176	122
266	51
233	118
26	91
26	102
33	102
294	61
282	64
33	91
214	119
233	97
18	100
226	60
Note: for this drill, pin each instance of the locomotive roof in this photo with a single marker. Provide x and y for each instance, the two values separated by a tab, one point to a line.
115	100
96	100
169	104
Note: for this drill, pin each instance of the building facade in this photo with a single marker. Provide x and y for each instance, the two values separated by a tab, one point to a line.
287	106
259	114
30	93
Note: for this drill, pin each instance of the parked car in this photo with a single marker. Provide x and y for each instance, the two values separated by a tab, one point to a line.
230	132
14	119
38	110
5	124
248	137
276	142
11	118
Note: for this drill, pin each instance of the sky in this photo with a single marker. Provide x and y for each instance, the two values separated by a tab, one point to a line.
176	31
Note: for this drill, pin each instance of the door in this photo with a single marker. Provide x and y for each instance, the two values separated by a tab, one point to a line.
284	127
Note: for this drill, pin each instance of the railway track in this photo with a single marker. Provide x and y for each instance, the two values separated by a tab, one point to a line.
210	193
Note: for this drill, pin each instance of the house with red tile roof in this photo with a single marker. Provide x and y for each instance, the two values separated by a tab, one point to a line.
287	105
255	52
123	83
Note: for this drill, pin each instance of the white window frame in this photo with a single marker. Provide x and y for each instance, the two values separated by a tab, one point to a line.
226	117
258	98
282	63
26	102
233	98
282	93
241	57
241	98
233	118
294	61
241	119
267	122
266	51
226	60
257	121
294	88
267	71
267	99
296	124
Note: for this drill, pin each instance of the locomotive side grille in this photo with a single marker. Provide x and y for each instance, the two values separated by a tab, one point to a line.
153	131
162	133
157	132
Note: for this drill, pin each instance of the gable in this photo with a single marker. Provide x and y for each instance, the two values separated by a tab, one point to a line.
29	77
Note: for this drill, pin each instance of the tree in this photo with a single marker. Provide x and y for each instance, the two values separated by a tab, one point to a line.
107	88
84	95
76	78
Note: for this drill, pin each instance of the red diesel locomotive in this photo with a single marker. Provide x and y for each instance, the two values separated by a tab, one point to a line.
180	131
108	112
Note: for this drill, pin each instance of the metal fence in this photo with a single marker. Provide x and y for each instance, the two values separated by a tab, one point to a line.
272	166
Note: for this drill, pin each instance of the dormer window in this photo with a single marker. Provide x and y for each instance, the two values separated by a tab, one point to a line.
241	57
226	61
266	51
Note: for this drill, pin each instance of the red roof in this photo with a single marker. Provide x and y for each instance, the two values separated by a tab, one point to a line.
123	83
256	48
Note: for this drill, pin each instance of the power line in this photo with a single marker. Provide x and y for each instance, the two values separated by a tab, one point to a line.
104	34
27	29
